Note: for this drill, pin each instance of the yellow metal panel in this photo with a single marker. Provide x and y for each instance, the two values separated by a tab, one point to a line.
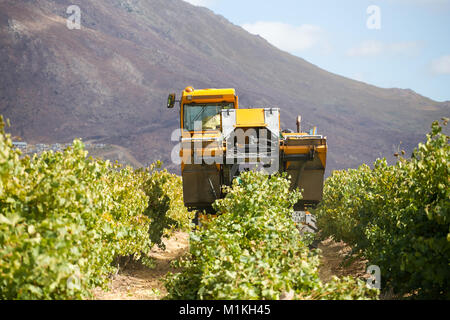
296	149
207	92
322	152
209	96
250	118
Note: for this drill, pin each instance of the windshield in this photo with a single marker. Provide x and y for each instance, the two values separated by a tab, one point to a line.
205	115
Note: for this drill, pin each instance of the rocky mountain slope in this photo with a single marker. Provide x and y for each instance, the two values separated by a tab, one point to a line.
108	82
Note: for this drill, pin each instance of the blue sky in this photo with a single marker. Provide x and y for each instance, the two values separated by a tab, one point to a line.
406	46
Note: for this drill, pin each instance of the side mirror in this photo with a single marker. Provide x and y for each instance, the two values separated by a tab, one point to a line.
171	101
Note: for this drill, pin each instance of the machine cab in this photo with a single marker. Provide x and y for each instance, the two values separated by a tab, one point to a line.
201	109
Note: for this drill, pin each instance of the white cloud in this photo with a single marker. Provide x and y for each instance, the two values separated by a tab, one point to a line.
376	48
441	65
287	37
201	3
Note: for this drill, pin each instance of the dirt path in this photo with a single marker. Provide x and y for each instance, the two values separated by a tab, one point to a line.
333	254
137	282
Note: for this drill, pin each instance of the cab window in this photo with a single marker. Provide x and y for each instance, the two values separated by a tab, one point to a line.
204	116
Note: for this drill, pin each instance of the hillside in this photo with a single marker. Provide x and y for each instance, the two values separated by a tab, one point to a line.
108	82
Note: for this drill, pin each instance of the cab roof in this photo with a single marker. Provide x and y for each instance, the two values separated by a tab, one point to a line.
207	92
191	95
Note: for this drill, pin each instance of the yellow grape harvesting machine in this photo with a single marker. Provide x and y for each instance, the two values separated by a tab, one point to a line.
219	140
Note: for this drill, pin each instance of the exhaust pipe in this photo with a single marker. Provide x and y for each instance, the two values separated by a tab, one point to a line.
299	124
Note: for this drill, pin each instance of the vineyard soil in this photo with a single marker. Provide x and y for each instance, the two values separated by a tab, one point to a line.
333	264
137	282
